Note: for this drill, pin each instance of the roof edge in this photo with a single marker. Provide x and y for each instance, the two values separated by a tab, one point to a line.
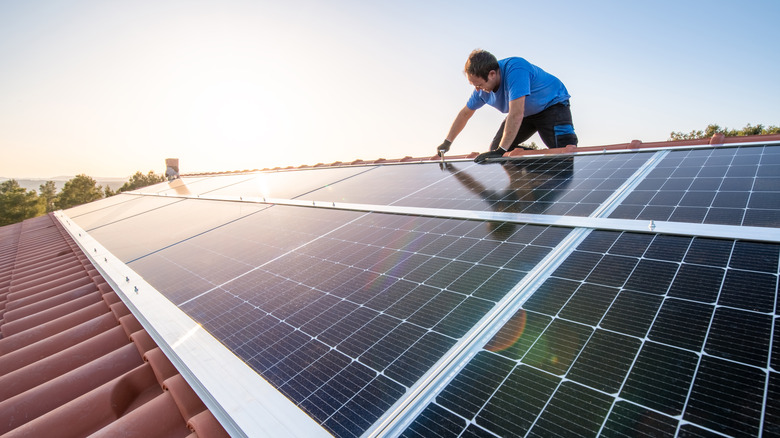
715	140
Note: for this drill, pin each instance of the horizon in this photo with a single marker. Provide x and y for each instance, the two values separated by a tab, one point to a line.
96	88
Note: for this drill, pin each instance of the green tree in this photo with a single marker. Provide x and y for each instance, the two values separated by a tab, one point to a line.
140	180
77	191
17	204
713	129
48	195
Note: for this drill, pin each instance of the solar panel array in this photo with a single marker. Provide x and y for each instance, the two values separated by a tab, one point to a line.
543	330
632	335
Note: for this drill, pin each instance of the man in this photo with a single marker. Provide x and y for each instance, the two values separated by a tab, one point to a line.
534	101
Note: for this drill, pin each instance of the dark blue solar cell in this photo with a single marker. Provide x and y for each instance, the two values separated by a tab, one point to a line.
415	361
628	420
749	290
475	384
766	184
671	248
632	313
772	415
682	323
599	241
328	319
731	199
706	184
389	348
573	410
517	403
631	244
660	378
458	322
551	296
315	374
359	413
727	397
348	325
656	213
612	270
605	361
712	252
640	196
578	265
518	334
526	234
697	199
676	184
589	303
737	185
740	336
472	279
498	285
369	335
652	276
774	361
435	421
755	256
689	214
669	198
558	346
762	218
697	283
528	258
436	309
724	216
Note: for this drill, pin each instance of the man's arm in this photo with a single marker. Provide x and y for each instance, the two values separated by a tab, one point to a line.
513	121
460	122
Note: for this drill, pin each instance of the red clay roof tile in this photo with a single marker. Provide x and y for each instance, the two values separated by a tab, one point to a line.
74	361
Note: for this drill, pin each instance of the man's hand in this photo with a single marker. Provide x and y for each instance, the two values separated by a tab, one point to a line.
495	153
443	148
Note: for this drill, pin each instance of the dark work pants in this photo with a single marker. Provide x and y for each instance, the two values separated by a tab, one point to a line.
554	126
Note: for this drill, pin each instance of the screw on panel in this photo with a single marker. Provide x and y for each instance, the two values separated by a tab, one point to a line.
652	225
135	288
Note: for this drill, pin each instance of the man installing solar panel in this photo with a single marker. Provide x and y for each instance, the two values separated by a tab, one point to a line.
534	101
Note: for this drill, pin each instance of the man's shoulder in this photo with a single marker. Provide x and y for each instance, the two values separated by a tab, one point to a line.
513	61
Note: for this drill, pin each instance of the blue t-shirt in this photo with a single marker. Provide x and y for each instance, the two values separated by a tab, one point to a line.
521	78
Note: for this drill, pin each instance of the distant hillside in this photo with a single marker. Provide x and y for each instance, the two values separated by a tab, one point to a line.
59	181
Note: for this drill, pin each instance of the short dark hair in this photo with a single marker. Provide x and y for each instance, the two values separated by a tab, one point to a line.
480	63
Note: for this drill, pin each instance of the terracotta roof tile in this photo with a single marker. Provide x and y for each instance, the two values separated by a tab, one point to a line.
74	361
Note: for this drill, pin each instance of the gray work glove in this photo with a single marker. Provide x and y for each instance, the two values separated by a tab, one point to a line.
443	148
495	153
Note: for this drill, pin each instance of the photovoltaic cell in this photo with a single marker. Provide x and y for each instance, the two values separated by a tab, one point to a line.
630	357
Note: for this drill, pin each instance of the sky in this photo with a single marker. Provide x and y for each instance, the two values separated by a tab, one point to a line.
108	88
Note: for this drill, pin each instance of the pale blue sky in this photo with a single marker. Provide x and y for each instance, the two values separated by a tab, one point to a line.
108	88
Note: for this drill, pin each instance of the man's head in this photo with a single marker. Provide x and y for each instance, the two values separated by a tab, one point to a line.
482	71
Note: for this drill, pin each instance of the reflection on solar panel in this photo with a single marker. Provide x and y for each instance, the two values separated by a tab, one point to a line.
453	324
660	345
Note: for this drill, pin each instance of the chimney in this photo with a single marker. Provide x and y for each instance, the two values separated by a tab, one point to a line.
172	168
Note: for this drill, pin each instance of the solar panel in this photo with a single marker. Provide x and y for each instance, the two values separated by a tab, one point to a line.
638	351
377	322
549	185
732	186
422	320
